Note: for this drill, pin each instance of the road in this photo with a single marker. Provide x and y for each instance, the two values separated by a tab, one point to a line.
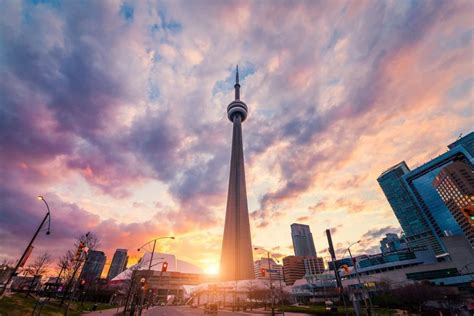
188	311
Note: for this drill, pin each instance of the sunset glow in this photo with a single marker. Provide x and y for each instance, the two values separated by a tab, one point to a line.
115	112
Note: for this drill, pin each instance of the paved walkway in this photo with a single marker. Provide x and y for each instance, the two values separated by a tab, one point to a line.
183	310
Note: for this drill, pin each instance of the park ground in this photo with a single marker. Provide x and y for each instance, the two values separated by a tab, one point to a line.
19	305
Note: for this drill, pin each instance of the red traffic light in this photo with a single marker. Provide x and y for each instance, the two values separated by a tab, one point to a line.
164	267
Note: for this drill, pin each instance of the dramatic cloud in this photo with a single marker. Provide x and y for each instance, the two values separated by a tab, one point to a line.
115	111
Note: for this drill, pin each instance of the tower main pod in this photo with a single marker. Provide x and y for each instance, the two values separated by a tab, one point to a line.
236	256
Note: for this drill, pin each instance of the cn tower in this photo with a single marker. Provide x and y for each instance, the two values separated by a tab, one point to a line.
236	256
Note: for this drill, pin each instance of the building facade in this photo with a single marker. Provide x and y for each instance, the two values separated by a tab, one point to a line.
415	225
423	215
391	242
94	265
119	263
303	243
455	186
237	253
262	266
293	269
313	265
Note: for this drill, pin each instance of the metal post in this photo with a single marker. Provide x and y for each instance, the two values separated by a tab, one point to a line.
24	254
338	278
152	252
369	310
271	284
129	295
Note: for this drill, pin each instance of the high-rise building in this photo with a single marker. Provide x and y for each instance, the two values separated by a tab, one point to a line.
119	263
303	243
391	243
296	267
94	265
293	269
236	256
423	215
455	185
412	220
262	267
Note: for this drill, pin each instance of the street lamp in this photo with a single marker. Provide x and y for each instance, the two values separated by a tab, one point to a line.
270	277
367	306
152	254
28	249
154	245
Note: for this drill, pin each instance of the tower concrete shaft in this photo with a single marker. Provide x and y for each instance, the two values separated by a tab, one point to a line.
236	256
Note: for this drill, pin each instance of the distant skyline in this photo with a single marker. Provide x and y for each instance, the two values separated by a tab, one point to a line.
116	113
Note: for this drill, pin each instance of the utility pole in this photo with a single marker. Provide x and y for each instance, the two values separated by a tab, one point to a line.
29	248
364	293
336	272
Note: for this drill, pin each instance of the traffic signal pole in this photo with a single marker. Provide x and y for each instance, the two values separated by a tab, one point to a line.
271	284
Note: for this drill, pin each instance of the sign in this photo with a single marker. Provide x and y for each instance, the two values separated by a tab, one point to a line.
27	255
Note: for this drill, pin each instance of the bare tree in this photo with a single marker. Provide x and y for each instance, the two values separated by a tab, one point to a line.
67	264
40	265
251	288
90	240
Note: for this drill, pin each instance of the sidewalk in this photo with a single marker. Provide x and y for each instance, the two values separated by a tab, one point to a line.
106	312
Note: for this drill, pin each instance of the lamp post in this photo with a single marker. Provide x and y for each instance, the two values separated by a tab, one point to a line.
153	251
367	306
270	278
29	248
281	288
154	246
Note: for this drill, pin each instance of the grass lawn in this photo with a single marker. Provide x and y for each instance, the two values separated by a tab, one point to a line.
18	304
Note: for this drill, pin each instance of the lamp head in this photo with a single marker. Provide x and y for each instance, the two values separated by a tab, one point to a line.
40	197
48	232
138	249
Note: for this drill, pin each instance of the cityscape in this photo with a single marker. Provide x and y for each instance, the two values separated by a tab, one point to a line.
301	158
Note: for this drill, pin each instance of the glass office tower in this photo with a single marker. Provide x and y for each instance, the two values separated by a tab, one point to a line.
303	242
422	213
414	223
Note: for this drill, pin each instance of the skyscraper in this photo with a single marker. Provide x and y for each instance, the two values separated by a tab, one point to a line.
414	223
303	243
423	215
455	185
236	256
93	266
119	262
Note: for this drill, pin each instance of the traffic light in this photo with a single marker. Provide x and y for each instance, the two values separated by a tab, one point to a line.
164	267
262	272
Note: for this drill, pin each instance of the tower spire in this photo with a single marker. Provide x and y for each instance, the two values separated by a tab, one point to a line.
237	85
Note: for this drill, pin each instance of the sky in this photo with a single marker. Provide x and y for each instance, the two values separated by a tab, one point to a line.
115	112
